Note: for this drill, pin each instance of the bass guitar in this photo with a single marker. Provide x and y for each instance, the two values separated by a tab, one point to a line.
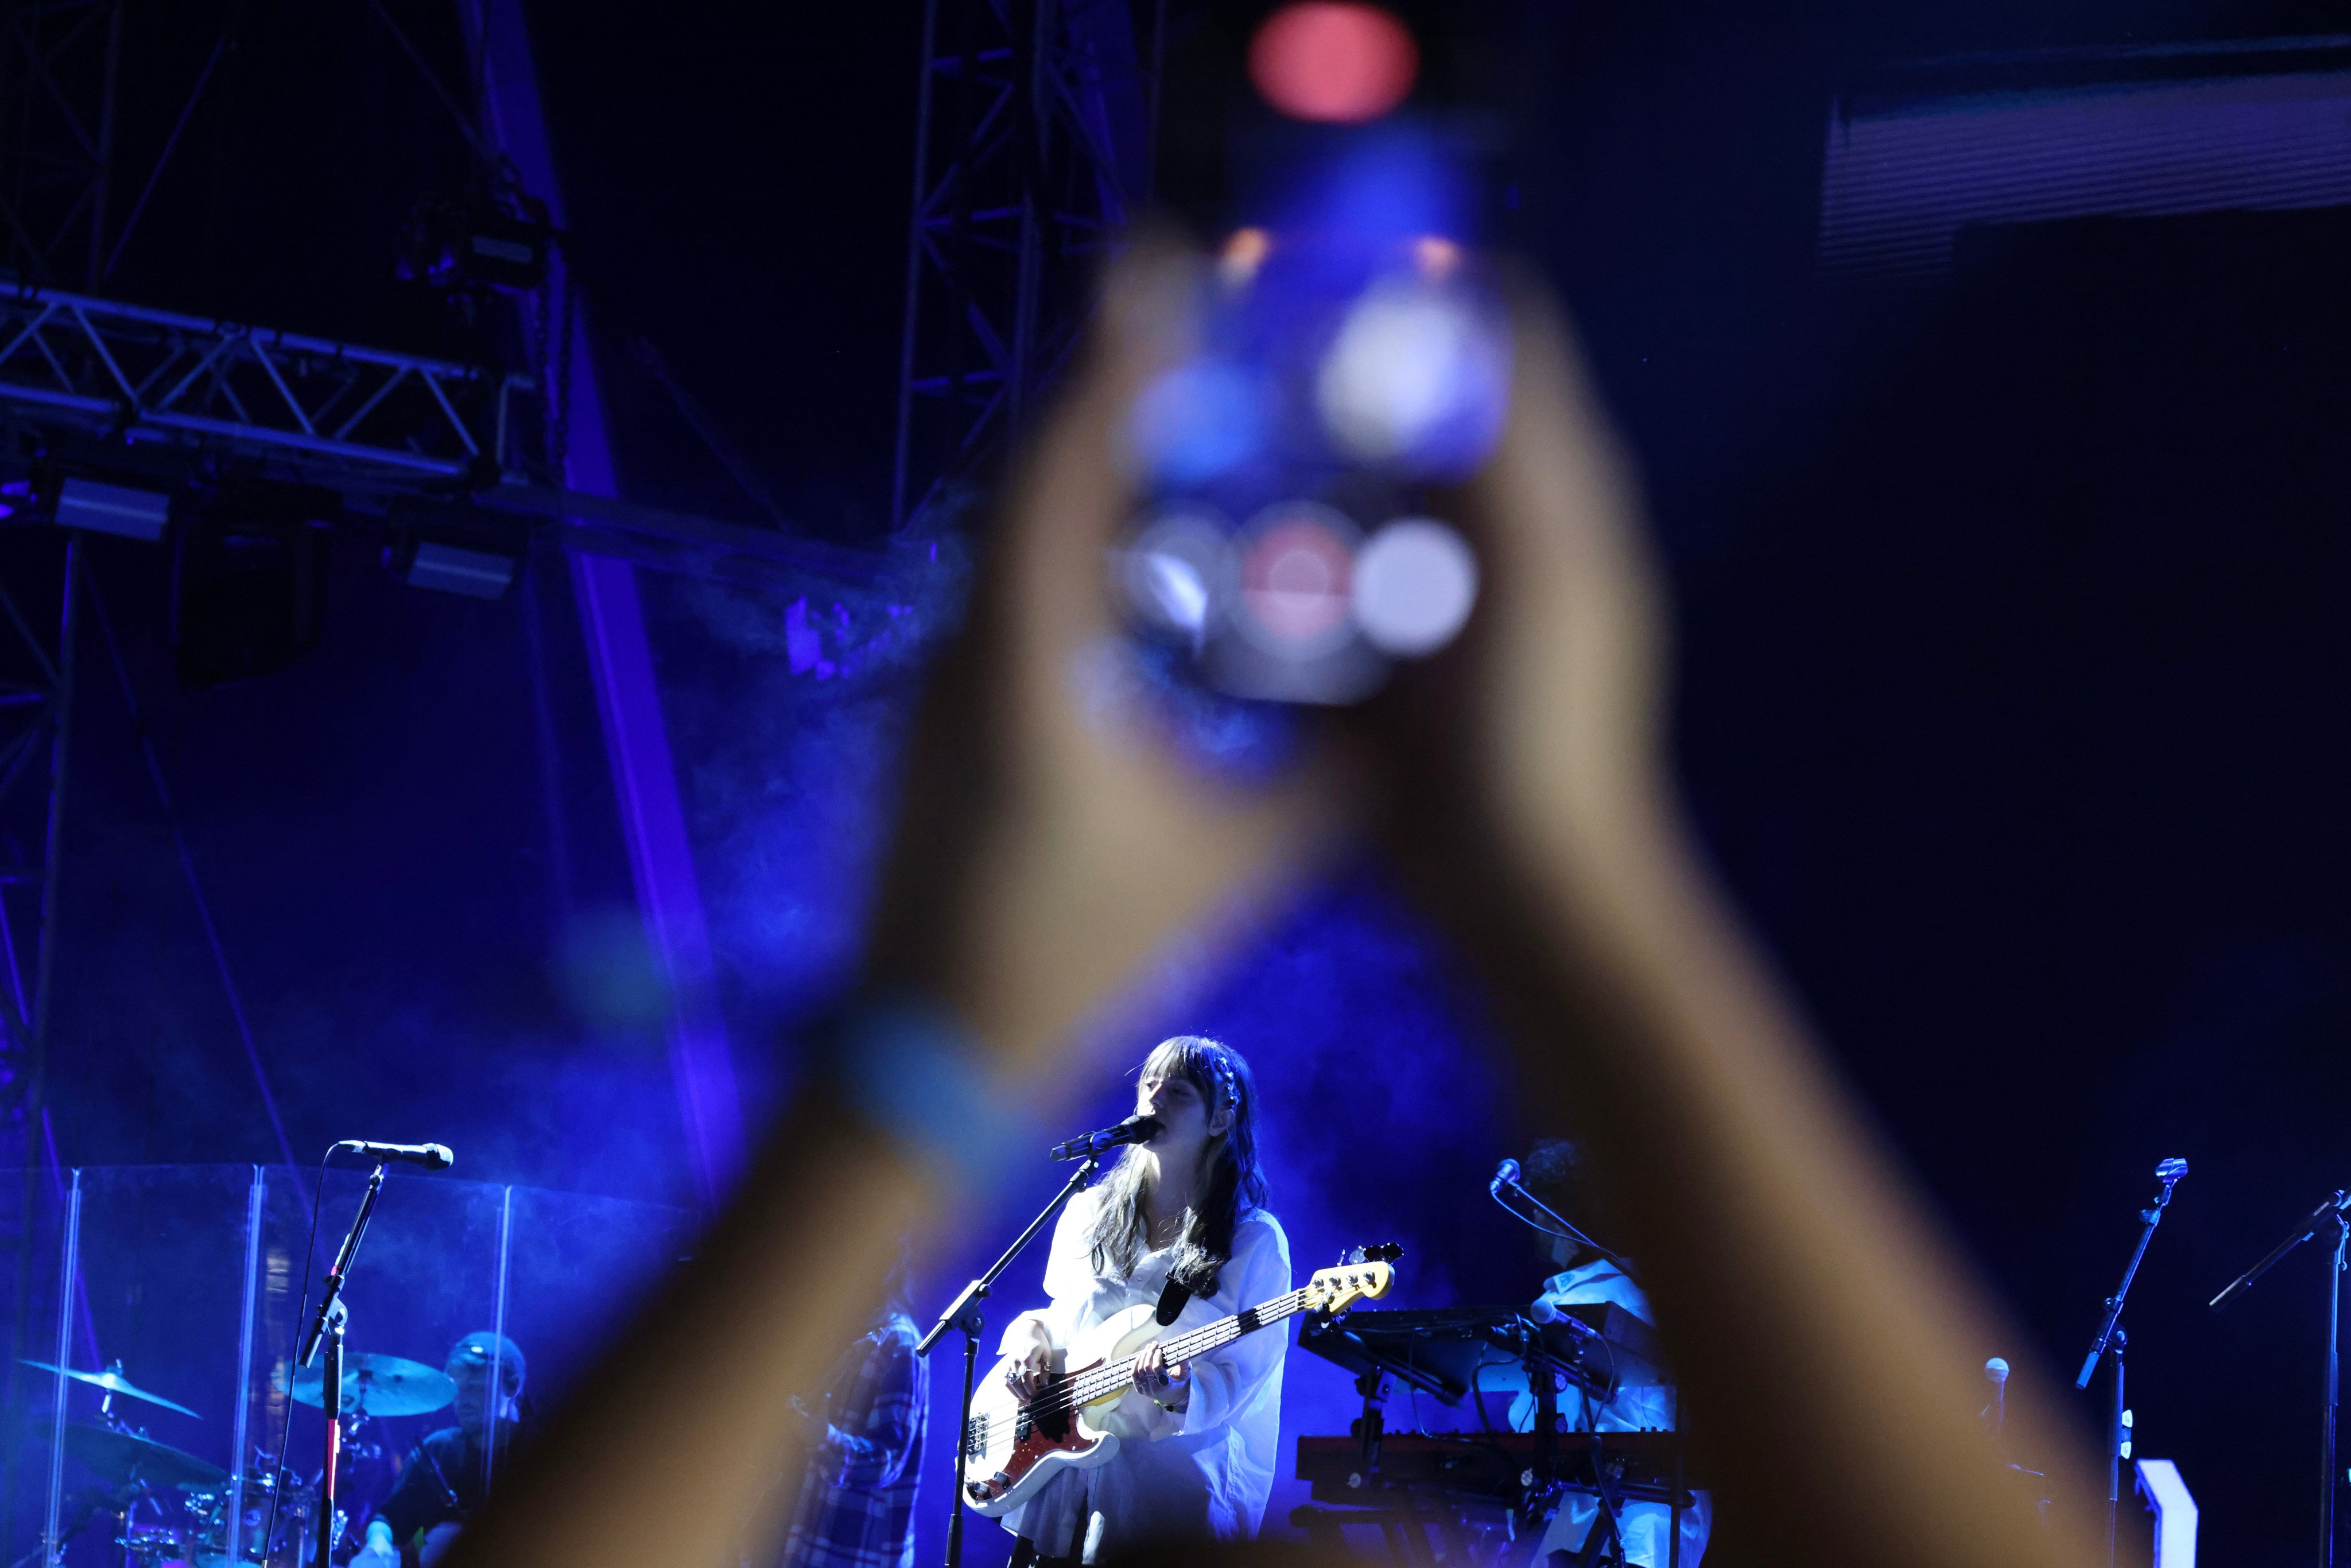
1013	1447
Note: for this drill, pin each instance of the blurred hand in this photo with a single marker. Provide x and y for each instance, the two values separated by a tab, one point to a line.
1048	843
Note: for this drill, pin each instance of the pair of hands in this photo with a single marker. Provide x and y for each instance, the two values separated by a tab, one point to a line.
1045	849
1049	845
1166	1384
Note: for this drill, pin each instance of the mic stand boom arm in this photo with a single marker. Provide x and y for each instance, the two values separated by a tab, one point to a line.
964	1313
2336	1208
2149	1218
1567	1227
2110	1336
328	1327
2308	1229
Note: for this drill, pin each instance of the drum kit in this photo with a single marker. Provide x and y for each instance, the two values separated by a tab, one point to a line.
270	1508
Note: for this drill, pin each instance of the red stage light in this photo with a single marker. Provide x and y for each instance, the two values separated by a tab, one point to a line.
1333	61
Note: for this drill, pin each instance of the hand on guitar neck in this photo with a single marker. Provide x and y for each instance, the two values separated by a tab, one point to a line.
1166	1384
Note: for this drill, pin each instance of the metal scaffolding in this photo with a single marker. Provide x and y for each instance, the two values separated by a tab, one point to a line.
59	62
36	694
332	413
1035	126
157	394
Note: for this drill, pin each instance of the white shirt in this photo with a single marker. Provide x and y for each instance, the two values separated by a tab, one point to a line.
1645	1529
1203	1471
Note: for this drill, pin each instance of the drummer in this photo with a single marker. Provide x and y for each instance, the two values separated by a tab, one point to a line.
445	1480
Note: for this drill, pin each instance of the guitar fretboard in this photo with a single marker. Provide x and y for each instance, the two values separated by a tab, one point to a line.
1102	1380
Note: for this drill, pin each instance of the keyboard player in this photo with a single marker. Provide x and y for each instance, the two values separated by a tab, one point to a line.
1552	1173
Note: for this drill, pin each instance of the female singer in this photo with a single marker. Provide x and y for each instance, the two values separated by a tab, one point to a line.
1196	1451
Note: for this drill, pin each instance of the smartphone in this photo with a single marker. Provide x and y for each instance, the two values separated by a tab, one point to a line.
1352	362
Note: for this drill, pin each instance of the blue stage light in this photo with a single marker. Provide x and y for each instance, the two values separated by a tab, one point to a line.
101	507
453	568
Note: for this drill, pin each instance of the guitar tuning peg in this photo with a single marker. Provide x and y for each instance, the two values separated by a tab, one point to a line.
1349	1256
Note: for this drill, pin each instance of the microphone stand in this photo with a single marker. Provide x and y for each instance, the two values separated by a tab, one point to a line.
333	1317
1574	1232
964	1312
2331	1210
2110	1336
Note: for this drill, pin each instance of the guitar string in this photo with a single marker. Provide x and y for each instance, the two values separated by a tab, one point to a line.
1104	1380
1091	1386
1094	1386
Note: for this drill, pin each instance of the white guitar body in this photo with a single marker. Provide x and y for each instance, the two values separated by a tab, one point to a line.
1090	1440
1012	1448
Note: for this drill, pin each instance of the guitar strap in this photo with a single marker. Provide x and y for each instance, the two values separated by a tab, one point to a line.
1171	1300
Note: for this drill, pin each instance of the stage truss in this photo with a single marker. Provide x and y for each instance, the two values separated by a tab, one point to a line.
1035	130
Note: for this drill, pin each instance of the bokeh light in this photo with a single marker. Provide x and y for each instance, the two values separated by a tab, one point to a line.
1198	420
1177	567
1415	379
1332	61
1296	578
1416	583
1245	251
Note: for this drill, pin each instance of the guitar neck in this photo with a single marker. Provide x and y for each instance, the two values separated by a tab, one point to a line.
1224	1331
1200	1340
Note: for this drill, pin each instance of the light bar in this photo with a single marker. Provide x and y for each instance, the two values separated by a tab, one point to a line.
113	509
453	568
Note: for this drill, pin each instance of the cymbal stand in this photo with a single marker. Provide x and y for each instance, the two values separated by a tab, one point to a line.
2110	1336
2334	1212
107	1416
964	1313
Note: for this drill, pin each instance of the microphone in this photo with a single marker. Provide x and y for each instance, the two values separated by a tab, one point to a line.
1996	1370
2170	1171
1136	1129
1505	1175
432	1156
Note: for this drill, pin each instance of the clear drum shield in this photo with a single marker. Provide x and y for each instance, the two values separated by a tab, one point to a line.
187	1284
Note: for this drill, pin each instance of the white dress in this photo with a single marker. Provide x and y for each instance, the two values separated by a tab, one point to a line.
1201	1472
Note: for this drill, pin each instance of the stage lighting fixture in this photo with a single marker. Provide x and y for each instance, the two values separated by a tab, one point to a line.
463	246
457	552
101	507
249	578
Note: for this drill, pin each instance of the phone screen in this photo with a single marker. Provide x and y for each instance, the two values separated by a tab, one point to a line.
1352	362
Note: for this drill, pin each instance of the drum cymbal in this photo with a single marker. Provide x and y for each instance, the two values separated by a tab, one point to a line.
378	1385
114	1383
125	1457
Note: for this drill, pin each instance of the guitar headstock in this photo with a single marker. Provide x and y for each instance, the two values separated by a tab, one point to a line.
1366	1279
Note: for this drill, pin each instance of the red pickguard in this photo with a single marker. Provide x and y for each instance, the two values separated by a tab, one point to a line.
1031	1445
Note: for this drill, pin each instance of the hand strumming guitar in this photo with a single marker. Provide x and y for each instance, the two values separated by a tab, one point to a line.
1033	1363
